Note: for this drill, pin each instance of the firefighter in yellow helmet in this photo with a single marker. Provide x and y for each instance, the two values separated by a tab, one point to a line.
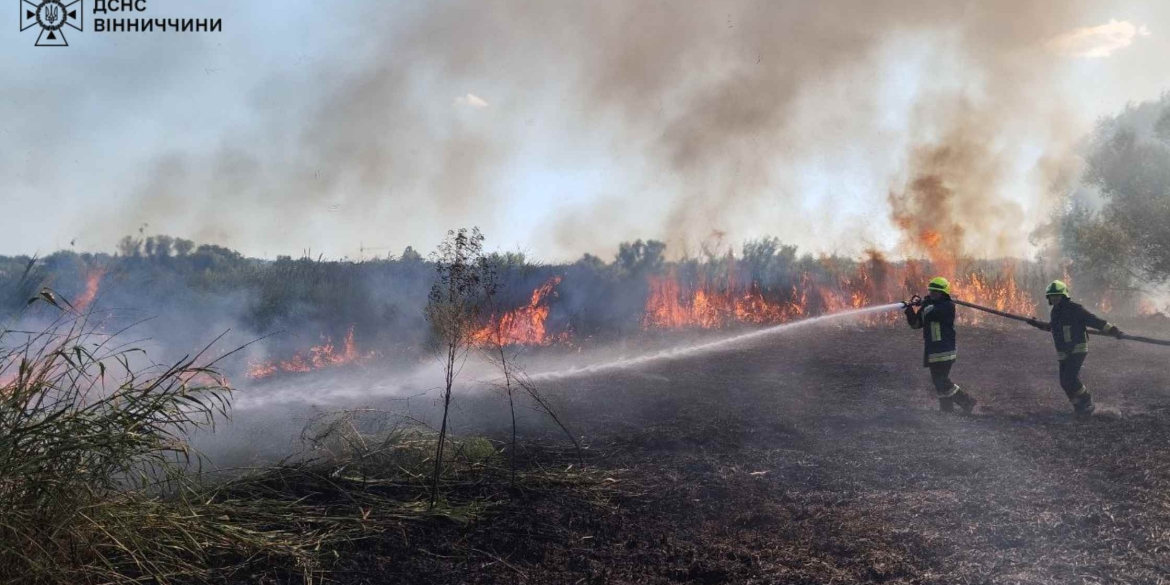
1068	324
936	319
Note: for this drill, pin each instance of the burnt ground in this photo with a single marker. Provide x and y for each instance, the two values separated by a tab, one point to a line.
821	458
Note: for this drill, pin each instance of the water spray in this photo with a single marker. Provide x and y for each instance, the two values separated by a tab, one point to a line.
692	350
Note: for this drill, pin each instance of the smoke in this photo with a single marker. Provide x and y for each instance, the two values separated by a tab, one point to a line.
807	120
952	201
1098	41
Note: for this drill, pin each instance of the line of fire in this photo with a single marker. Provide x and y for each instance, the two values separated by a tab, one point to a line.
728	292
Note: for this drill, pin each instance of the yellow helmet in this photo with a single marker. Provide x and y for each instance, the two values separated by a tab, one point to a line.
940	284
1057	288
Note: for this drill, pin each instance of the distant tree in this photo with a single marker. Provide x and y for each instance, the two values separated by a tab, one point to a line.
409	255
641	258
592	262
20	279
130	247
1113	233
183	247
1162	126
767	259
508	260
218	250
162	246
1099	253
1134	178
209	257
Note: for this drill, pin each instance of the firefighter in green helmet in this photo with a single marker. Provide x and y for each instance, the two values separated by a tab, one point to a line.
935	316
1069	325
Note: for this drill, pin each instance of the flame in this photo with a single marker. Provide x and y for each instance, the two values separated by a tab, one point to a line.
523	326
931	240
1106	302
997	291
728	301
324	355
93	280
720	302
670	305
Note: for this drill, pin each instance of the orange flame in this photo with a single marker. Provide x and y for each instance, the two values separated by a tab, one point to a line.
523	326
93	280
1147	308
672	305
1106	302
998	291
320	356
707	306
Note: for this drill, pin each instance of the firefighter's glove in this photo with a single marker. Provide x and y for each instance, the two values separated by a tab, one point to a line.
1116	332
914	301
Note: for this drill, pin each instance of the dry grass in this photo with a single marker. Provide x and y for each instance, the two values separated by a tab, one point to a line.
99	485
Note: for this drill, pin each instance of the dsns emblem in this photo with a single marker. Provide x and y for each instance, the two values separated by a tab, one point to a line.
52	16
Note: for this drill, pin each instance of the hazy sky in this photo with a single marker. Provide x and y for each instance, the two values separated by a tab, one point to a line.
560	127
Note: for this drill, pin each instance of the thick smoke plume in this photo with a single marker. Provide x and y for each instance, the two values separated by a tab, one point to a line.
718	116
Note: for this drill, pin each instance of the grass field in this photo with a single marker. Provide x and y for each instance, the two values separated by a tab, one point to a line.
814	458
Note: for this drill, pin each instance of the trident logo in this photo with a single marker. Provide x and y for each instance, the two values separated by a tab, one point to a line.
52	13
52	16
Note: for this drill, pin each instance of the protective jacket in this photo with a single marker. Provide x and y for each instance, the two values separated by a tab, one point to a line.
1069	322
937	321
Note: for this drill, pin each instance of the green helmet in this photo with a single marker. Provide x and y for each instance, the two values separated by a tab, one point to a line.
1057	288
940	284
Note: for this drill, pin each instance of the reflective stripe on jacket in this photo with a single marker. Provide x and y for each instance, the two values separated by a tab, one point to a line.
937	321
1069	323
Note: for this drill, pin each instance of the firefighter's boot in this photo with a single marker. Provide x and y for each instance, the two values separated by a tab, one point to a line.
947	400
965	401
946	403
1083	405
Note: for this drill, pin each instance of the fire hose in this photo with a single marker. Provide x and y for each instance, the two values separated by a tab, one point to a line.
916	300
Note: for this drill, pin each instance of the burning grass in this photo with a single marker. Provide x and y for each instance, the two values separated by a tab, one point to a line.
323	355
789	462
675	312
525	325
725	294
93	280
724	300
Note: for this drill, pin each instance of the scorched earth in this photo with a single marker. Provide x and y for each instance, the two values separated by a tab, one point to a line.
819	457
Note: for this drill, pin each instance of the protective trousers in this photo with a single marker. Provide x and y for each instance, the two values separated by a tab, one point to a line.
949	393
1070	382
940	375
